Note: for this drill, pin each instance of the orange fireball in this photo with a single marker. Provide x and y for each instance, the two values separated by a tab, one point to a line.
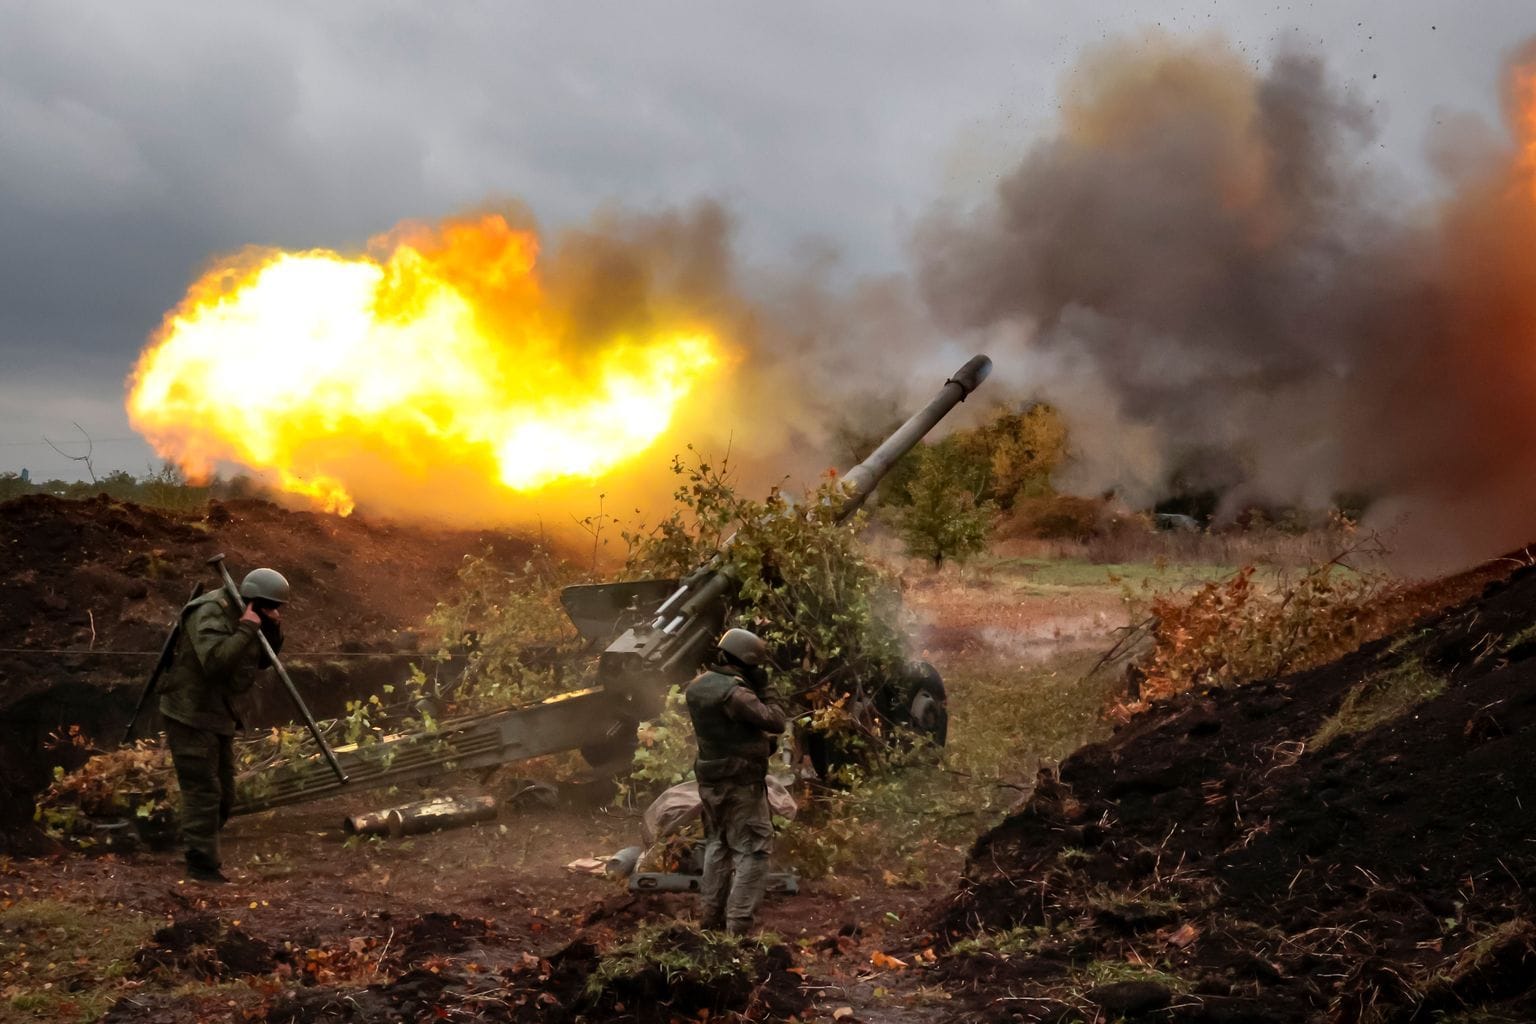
437	351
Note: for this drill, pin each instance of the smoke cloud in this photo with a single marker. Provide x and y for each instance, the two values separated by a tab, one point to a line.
1201	268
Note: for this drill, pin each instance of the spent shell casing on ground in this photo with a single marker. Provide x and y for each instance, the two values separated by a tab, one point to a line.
422	816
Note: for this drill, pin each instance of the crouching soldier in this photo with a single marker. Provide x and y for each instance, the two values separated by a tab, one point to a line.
735	721
216	658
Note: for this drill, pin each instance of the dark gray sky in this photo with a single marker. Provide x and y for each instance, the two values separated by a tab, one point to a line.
137	140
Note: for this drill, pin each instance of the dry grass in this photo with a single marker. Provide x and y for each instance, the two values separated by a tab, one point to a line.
1379	699
1223	548
1236	630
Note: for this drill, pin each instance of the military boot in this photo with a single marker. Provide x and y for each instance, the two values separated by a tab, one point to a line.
200	869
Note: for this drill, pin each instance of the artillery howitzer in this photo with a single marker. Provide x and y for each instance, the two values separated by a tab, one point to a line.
655	634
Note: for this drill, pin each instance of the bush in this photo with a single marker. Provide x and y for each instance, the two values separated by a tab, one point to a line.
805	583
664	751
518	641
1231	631
1055	517
166	487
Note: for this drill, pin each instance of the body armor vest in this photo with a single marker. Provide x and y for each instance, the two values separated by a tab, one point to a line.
720	736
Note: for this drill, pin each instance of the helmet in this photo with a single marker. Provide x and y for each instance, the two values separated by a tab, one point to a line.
264	585
746	647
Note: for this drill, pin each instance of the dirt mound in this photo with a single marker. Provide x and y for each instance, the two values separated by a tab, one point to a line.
1349	843
201	947
89	588
672	974
436	934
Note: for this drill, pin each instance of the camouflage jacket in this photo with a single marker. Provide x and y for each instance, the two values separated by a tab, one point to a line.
217	657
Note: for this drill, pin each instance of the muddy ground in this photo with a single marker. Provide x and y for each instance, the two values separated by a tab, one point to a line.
1349	844
312	921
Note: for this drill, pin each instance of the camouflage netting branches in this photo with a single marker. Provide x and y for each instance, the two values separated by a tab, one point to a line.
805	583
510	629
807	587
134	784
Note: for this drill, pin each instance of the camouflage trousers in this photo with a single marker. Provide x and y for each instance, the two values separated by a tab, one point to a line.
205	771
738	837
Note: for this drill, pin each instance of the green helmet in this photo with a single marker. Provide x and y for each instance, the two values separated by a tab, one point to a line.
264	585
746	647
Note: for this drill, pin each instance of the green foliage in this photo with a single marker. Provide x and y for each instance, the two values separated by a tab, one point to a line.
1027	940
513	630
664	756
1011	456
945	517
805	583
899	814
1111	972
706	511
916	811
675	952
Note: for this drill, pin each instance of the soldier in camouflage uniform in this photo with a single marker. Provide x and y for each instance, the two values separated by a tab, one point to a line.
217	656
735	721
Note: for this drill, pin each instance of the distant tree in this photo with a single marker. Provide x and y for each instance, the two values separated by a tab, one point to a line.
1025	448
946	517
119	483
14	485
1010	457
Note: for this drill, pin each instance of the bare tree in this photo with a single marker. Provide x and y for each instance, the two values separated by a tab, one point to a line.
90	448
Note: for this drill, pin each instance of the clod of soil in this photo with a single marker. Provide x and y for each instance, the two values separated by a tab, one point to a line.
1130	998
434	934
678	976
679	972
201	947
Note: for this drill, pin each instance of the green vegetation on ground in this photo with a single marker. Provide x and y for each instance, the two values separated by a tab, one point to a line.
65	961
914	813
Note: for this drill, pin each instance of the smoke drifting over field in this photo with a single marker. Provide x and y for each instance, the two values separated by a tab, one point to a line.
1200	266
1218	289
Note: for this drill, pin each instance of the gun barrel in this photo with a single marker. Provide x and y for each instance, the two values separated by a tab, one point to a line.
862	479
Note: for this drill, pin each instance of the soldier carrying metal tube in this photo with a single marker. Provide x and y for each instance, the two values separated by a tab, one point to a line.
216	657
